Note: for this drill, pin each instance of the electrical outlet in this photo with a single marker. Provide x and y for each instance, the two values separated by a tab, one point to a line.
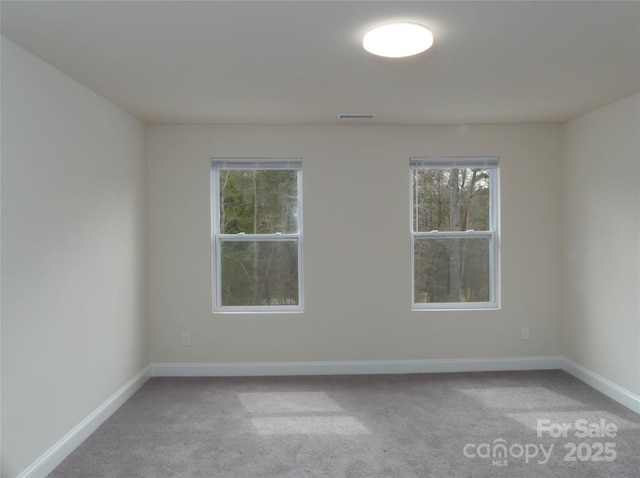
186	339
525	333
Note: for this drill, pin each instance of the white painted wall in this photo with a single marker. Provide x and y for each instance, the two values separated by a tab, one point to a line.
601	237
74	325
356	257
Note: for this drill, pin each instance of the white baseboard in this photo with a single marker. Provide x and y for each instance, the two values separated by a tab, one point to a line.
603	385
58	452
545	362
248	369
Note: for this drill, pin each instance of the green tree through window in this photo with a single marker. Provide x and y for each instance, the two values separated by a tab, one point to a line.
454	232
257	234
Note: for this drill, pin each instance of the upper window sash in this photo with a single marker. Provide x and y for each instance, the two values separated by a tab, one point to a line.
473	162
249	164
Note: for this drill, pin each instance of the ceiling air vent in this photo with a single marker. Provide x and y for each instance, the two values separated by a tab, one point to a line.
355	116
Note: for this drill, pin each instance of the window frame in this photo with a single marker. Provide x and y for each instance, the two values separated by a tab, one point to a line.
493	234
235	164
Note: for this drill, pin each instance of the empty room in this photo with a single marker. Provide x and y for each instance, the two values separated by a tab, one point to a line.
288	239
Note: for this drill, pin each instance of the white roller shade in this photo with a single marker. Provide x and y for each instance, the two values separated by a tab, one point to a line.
256	163
455	162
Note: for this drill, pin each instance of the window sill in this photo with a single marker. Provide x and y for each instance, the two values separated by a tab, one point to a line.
256	311
448	308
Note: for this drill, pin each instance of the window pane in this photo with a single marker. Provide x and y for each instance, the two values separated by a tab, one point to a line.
258	201
450	199
451	270
258	273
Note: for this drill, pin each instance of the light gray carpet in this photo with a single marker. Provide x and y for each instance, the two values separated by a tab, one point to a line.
391	426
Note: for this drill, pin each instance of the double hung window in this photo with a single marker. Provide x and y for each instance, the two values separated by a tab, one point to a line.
454	233
257	234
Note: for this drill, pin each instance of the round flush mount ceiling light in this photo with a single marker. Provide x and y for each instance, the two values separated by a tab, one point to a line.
397	40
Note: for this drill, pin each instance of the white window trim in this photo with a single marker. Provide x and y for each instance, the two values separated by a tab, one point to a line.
218	164
491	163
